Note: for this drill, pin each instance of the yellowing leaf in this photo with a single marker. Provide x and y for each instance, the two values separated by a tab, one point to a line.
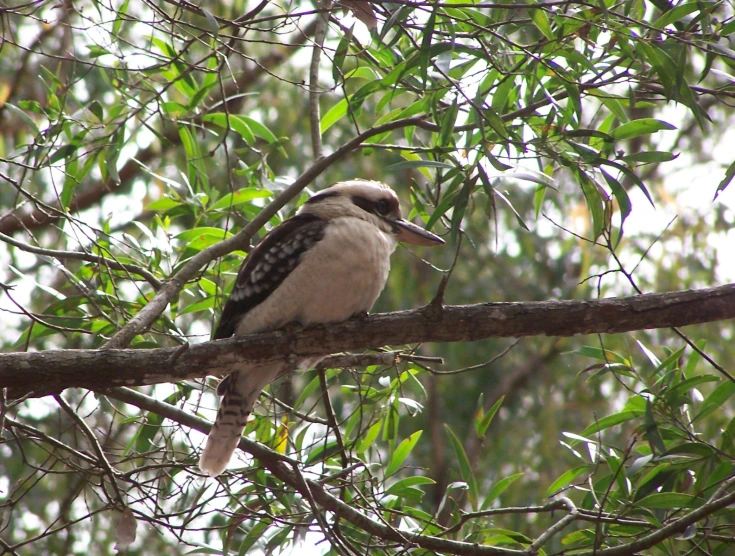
280	441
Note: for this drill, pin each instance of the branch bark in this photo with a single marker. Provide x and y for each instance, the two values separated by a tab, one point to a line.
53	371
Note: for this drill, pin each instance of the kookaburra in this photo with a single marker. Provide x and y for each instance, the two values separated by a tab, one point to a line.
326	264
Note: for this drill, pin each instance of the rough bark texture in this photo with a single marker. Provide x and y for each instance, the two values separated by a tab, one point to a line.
53	371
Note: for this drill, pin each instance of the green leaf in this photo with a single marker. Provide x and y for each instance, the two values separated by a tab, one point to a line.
401	453
146	433
621	196
368	439
689	384
23	116
174	109
611	421
499	488
259	129
334	114
425	50
663	65
195	233
196	171
566	478
716	399
62	152
96	108
649	354
541	20
408	164
651	431
595	203
650	157
339	56
631	176
201	305
177	72
668	501
482	422
729	175
163	204
499	194
406	488
465	469
447	124
679	12
496	122
119	19
210	23
694	359
233	122
240	196
309	389
636	128
323	451
95	51
70	185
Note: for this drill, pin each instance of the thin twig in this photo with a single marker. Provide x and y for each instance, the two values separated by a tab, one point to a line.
92	439
88	257
315	91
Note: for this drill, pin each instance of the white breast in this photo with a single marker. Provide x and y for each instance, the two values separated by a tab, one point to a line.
342	275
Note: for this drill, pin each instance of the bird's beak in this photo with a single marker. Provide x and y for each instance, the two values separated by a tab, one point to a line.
406	232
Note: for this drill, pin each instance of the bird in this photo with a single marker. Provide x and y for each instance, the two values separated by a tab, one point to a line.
326	264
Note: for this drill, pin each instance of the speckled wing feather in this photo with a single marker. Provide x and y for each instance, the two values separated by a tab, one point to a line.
265	268
267	265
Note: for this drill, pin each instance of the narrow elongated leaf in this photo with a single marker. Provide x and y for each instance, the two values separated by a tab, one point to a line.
636	128
611	421
419	164
541	20
401	453
716	399
729	175
667	501
233	122
499	488
334	114
240	196
652	433
650	156
482	422
566	478
408	486
621	196
465	469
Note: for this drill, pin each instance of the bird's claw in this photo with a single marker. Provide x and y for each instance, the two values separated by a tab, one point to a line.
361	316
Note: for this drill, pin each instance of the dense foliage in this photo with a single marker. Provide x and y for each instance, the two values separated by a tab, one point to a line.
565	150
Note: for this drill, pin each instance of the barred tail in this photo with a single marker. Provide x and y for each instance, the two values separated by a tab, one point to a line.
241	391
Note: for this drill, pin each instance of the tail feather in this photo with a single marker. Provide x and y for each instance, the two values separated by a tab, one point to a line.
241	393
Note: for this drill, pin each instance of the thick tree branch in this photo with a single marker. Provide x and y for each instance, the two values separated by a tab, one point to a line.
53	371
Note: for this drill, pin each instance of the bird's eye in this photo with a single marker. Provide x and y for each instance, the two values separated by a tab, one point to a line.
382	207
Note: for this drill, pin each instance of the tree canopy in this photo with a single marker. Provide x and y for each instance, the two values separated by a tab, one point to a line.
525	396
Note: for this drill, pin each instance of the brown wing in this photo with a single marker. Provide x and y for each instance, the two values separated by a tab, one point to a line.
266	266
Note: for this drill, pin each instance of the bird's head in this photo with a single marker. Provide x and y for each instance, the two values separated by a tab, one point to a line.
373	202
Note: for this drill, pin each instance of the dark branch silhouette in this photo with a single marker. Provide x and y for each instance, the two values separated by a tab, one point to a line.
53	371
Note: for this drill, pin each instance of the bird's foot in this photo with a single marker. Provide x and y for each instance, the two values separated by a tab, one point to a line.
292	329
360	316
